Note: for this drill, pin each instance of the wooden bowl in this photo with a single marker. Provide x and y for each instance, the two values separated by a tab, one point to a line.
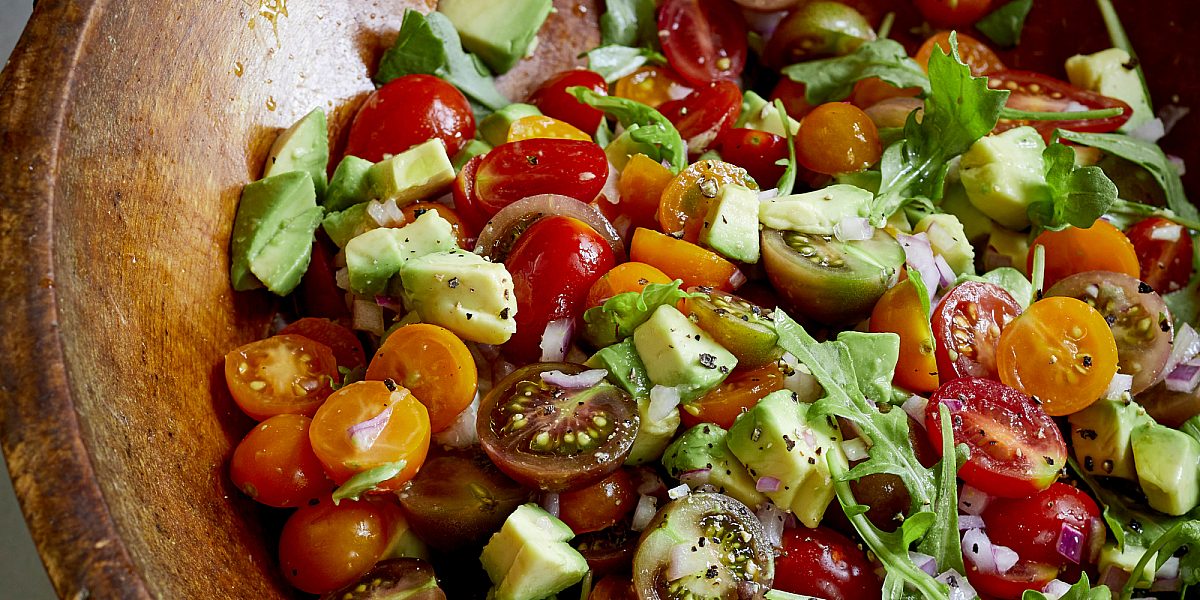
128	129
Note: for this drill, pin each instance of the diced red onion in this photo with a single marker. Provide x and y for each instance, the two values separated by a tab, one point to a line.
644	512
767	484
1006	558
663	400
919	255
972	500
1114	577
977	547
966	522
502	222
695	477
772	519
915	407
462	433
809	439
1184	347
1056	589
1070	543
678	491
1169	233
1177	162
855	449
624	226
1184	378
1165	585
946	273
738	279
368	316
1120	384
556	339
364	434
550	503
1150	131
582	380
924	562
853	229
688	558
960	588
389	303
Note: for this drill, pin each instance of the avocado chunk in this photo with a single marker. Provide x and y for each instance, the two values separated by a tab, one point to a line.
949	239
653	435
1168	467
419	172
621	149
679	354
500	33
471	150
1101	437
349	185
1009	248
280	207
374	257
302	147
494	127
282	262
874	356
624	367
1112	73
1004	173
345	225
464	293
816	212
1112	556
529	558
975	224
760	114
731	225
704	447
775	439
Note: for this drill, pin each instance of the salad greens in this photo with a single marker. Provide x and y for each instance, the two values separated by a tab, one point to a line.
366	481
832	79
1082	590
628	39
652	128
1183	535
1003	25
787	181
1078	195
616	319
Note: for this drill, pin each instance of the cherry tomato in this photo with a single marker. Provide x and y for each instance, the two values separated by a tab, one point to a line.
816	30
389	425
686	200
824	563
345	345
608	551
318	294
539	126
466	199
900	311
792	95
704	40
740	392
873	90
1016	448
967	325
326	546
600	505
275	464
408	111
704	114
953	13
1164	251
411	578
1025	575
738	325
613	587
554	101
680	259
651	86
1061	351
283	374
837	137
553	264
1036	92
641	187
756	151
510	172
625	277
433	364
1101	247
462	232
973	52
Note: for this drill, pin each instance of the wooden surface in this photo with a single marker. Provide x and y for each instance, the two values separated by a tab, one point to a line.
128	128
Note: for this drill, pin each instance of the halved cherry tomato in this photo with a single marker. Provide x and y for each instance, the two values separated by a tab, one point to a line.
822	562
651	86
973	52
389	425
433	364
1016	448
408	111
792	95
837	137
275	463
704	40
625	277
345	345
326	546
318	294
462	232
740	392
641	188
466	199
554	101
1036	92
1025	575
900	311
684	260
704	114
756	151
686	200
1101	247
600	505
510	172
1164	251
1060	351
967	325
539	126
953	13
614	587
283	374
873	90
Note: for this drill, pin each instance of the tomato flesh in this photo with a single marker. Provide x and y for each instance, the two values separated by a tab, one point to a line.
900	311
526	168
967	325
1036	92
824	563
1164	251
702	116
704	40
600	505
740	392
554	101
408	111
283	374
758	152
345	345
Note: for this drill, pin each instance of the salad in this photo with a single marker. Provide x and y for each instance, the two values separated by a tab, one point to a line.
760	304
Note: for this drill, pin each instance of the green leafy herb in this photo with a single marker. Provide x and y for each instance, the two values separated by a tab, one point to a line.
787	181
653	128
1131	524
1003	25
1145	154
629	23
1082	590
366	481
1185	304
1182	537
832	79
1078	195
1077	115
1128	212
613	62
942	541
616	319
922	291
1116	33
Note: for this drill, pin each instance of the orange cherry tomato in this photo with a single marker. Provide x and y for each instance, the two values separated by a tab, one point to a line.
976	54
1101	247
463	232
683	260
625	277
837	137
539	126
641	188
651	86
345	345
434	365
600	505
686	199
1060	351
325	546
283	374
900	311
740	392
873	90
393	426
275	464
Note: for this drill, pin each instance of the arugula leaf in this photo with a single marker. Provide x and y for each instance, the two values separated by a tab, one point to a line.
832	79
1116	33
613	62
653	128
787	181
616	319
1078	195
1082	590
1130	524
1185	304
1125	213
1185	535
629	23
1003	25
366	481
942	541
1145	154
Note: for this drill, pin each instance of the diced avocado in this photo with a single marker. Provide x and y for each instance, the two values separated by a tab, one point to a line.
760	114
652	436
874	356
529	558
267	207
624	367
1112	73
774	439
1167	462
375	256
1013	282
815	212
471	150
1100	436
621	149
1111	556
302	147
494	127
345	225
1010	248
1003	174
949	239
501	33
704	447
419	172
679	354
975	224
349	185
282	262
464	293
731	225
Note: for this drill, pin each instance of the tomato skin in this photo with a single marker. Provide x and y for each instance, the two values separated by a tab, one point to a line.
900	311
703	40
837	137
703	115
554	101
625	277
953	13
553	265
346	347
275	463
651	86
680	259
756	151
791	93
600	505
873	90
1101	247
740	392
318	294
541	126
1165	264
326	546
270	377
686	199
824	563
466	200
973	52
434	364
641	188
408	111
967	325
1036	92
1031	526
517	170
1025	575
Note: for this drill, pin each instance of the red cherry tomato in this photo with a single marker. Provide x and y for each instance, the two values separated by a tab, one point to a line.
466	201
554	100
792	95
408	111
1036	92
345	345
953	13
318	294
1164	252
526	168
283	374
553	265
704	114
600	505
824	563
1016	448
967	327
275	463
704	40
974	53
1025	575
326	546
756	151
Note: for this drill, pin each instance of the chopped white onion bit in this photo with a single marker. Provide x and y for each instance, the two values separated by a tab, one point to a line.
1169	569
855	449
385	214
960	588
1170	233
582	380
772	519
696	477
689	558
1056	589
1185	346
977	548
768	194
644	512
1006	558
919	255
364	434
556	339
678	491
924	562
1150	131
663	400
853	229
972	500
368	316
550	503
915	407
1120	384
461	433
966	522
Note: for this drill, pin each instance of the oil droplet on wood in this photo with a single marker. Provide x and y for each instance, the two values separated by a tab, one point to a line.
46	282
271	103
238	69
271	11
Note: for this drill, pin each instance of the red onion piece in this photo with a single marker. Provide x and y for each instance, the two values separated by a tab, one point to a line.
1070	543
363	435
946	273
368	316
919	255
1150	131
610	193
389	303
1056	589
767	484
551	504
1184	347
663	400
853	229
695	477
915	407
738	279
960	588
768	194
556	339
924	562
1184	378
1168	573
644	512
1005	557
583	380
972	500
462	433
966	522
1178	163
495	233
